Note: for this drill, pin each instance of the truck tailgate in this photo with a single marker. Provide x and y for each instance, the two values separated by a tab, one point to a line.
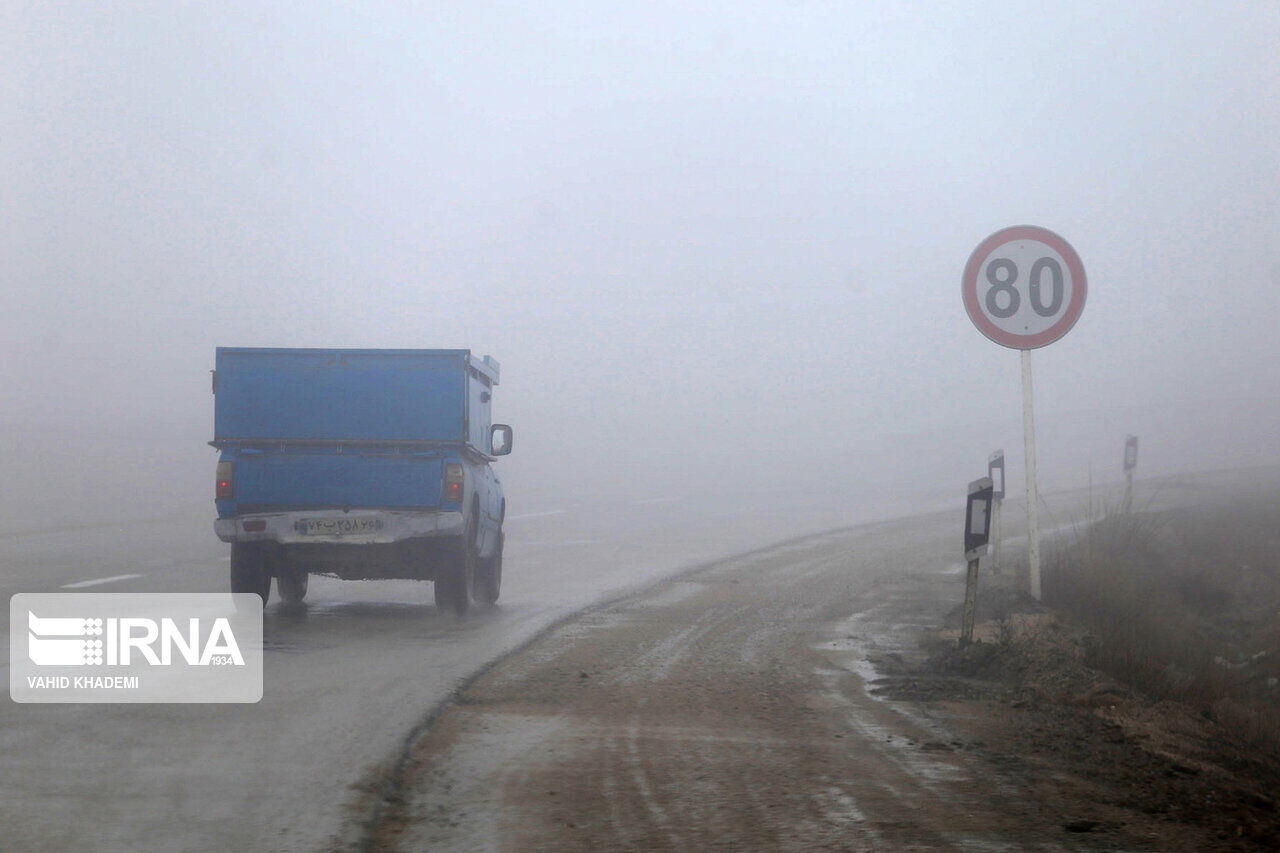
267	481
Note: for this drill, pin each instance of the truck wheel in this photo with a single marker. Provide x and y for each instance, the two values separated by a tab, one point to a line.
456	586
292	586
249	572
489	575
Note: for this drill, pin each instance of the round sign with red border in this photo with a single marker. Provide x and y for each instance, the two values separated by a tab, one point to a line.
1024	287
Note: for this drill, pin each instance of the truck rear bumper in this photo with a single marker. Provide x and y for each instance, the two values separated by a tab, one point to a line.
289	528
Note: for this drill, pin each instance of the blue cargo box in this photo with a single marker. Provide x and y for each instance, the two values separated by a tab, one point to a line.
352	395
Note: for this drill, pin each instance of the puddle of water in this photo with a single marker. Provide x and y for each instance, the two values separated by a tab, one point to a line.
889	741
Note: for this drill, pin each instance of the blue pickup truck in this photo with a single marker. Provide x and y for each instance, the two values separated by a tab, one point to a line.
359	463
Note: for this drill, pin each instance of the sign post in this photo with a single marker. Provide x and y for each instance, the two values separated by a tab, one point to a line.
1024	287
977	533
1033	489
1130	463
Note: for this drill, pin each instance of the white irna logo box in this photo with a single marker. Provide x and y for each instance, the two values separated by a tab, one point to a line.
135	647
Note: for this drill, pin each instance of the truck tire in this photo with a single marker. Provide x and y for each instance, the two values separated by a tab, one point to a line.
455	586
489	576
292	586
249	571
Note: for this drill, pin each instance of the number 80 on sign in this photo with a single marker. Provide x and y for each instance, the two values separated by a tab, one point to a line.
1024	287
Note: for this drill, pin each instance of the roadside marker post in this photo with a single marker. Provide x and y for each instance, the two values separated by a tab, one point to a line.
1024	287
995	471
1130	463
977	533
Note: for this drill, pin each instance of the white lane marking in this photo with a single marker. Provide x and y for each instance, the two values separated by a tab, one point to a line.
98	581
537	514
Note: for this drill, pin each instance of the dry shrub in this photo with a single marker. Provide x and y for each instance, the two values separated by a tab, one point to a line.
1253	720
1167	605
1107	579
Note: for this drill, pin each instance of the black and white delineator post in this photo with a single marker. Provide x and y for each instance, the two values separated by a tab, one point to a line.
995	471
1130	463
1024	287
977	533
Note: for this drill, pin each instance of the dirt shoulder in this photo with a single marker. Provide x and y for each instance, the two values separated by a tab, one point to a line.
737	708
1147	774
1143	694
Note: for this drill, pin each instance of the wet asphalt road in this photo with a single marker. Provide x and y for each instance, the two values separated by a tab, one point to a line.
345	678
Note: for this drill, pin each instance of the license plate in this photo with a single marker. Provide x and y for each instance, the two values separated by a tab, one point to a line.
339	526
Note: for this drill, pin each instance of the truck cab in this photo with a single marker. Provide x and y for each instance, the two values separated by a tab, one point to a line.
360	464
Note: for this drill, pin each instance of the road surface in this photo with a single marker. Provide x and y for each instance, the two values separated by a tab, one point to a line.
345	679
352	674
726	710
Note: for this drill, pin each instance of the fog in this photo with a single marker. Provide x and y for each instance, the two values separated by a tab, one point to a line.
716	250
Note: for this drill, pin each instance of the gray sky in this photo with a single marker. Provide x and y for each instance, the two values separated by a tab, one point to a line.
719	244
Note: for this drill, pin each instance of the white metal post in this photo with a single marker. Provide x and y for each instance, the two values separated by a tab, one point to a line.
1033	496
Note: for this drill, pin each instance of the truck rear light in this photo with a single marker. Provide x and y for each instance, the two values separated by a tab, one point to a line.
226	480
453	483
256	525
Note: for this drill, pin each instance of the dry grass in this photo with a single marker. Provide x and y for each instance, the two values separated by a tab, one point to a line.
1182	605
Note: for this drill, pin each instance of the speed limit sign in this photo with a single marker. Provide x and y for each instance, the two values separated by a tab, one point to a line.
1024	287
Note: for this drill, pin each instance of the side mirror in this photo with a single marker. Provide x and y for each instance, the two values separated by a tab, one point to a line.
500	438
